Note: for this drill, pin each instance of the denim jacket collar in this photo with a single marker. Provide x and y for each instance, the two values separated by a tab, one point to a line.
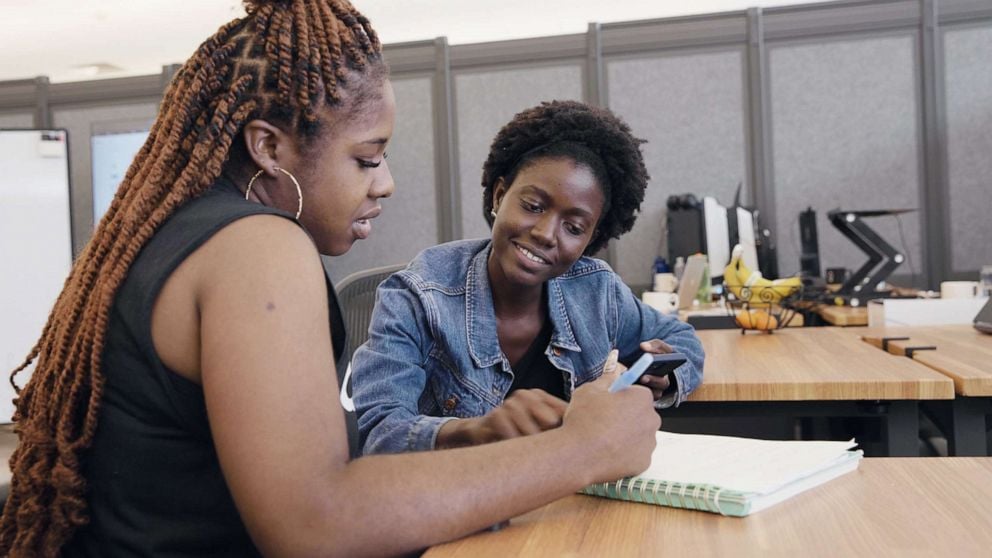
480	315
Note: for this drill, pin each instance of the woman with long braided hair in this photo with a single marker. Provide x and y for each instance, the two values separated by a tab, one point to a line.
183	400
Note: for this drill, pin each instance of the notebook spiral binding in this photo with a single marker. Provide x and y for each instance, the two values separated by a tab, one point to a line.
702	497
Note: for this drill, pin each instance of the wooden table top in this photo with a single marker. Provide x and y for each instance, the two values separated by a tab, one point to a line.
809	364
888	507
843	315
961	352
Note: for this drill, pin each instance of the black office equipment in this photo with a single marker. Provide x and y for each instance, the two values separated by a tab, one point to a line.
883	258
686	232
809	257
704	226
767	253
836	275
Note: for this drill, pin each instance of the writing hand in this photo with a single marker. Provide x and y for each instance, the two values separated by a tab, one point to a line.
617	427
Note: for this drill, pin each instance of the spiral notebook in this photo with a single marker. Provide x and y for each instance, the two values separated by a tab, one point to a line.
730	476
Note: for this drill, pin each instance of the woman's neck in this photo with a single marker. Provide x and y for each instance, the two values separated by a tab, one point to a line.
512	300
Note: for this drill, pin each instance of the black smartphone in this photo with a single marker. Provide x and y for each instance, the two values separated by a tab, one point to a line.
649	363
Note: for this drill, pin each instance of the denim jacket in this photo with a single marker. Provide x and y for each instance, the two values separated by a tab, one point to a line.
433	354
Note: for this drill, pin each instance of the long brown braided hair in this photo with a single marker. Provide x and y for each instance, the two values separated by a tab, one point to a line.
284	62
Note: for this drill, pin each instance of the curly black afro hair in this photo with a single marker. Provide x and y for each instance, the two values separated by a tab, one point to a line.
590	136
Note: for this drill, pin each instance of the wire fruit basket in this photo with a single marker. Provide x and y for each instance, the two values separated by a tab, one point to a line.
763	309
757	303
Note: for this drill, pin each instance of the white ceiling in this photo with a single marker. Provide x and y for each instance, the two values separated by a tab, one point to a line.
69	40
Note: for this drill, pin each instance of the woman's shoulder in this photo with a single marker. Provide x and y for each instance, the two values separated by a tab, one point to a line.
257	248
261	237
446	263
589	267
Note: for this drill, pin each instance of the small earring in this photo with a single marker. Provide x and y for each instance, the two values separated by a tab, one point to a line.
299	191
493	213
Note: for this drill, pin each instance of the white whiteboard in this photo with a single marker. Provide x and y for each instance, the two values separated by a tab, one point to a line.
35	243
112	155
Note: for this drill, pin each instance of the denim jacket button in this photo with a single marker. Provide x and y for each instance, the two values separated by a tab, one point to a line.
449	403
556	351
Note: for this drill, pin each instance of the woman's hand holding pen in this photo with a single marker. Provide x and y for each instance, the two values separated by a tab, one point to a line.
618	427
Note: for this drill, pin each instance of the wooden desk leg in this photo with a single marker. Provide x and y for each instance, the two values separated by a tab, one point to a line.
967	432
962	421
901	429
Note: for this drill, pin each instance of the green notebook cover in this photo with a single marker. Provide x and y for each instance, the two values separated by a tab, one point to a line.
730	476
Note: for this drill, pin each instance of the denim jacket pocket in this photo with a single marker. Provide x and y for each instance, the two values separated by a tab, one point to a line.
449	392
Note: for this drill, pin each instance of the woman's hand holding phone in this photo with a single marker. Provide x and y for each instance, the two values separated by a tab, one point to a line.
658	384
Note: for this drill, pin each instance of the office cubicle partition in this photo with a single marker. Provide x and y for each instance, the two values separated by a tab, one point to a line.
16	120
850	104
682	85
81	120
967	82
486	97
846	122
410	217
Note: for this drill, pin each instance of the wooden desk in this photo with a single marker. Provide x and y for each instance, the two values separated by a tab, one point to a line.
843	315
889	507
716	312
962	353
809	372
965	356
808	364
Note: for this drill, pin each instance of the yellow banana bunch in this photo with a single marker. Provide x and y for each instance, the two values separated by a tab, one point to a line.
749	286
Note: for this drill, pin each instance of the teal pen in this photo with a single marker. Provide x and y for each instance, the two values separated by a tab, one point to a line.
628	378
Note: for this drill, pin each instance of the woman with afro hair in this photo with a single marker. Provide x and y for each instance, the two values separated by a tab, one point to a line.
483	340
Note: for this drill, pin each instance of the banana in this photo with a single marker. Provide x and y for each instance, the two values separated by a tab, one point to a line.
749	286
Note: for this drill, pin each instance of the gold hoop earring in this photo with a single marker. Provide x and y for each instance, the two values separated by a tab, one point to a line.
299	191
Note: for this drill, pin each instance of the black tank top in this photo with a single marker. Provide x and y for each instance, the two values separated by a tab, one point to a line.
154	484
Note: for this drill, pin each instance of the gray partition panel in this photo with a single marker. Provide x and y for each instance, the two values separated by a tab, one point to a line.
485	101
845	119
16	120
690	108
408	223
80	122
968	93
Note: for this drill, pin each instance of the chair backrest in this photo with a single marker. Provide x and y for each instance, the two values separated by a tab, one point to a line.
356	295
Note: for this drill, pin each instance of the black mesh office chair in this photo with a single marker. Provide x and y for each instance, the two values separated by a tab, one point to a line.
356	296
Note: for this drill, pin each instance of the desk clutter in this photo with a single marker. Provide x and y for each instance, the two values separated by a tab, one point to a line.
749	301
728	475
708	273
